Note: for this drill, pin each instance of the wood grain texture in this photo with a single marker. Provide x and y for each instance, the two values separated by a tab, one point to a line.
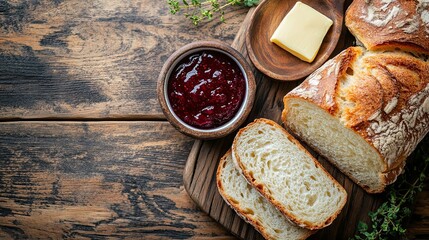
418	227
97	180
92	59
68	60
199	174
274	61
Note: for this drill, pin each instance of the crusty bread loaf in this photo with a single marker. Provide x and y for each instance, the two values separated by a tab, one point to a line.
388	24
287	175
365	111
253	207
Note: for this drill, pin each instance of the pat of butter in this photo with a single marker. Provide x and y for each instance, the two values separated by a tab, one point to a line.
301	32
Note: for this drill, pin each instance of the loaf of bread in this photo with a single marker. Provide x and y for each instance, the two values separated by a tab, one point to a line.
388	24
252	207
287	175
365	111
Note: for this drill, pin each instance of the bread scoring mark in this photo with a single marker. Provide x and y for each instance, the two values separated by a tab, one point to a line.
422	7
425	105
398	135
331	67
408	22
391	105
311	88
375	115
329	100
386	4
425	19
409	25
315	81
380	17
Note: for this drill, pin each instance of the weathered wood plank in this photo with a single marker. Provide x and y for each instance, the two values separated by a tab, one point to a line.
96	180
92	59
418	227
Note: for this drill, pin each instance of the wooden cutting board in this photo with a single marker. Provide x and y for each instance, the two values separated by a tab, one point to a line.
200	170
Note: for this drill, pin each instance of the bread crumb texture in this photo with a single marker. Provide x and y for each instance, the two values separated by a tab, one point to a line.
287	174
252	206
366	115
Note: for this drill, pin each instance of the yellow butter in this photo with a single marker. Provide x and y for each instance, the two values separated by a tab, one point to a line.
301	32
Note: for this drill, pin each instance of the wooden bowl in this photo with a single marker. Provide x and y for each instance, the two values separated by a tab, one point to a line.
243	111
276	62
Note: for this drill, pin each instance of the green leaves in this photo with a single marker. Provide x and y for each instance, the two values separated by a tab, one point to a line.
250	3
388	221
174	6
198	10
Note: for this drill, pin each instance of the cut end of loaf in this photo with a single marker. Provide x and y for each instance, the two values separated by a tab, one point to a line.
287	175
342	146
365	111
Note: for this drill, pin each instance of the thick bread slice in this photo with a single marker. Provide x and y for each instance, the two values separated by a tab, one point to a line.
253	207
287	175
365	111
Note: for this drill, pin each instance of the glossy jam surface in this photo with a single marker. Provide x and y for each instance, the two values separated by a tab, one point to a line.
206	89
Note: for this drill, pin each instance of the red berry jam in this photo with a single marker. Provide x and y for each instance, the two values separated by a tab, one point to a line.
206	89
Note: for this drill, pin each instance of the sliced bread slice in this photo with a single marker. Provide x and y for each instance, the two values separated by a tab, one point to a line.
280	168
253	207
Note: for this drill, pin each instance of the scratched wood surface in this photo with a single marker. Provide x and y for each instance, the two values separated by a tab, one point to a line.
99	60
200	170
92	59
95	180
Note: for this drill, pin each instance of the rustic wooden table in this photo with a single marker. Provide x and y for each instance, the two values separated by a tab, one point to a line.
85	151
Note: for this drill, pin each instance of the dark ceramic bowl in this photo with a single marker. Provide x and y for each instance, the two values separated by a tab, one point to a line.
239	117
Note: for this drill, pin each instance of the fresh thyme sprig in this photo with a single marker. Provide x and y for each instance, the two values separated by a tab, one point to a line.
388	221
199	10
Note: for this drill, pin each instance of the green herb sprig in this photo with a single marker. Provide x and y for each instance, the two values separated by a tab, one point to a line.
389	220
199	10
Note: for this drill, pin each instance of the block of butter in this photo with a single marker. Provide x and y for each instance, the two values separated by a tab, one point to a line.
301	32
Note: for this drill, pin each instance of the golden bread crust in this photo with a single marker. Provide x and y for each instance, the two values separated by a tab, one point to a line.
249	218
268	195
381	24
233	204
383	97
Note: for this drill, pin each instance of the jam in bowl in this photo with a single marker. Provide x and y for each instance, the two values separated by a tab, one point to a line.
206	89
